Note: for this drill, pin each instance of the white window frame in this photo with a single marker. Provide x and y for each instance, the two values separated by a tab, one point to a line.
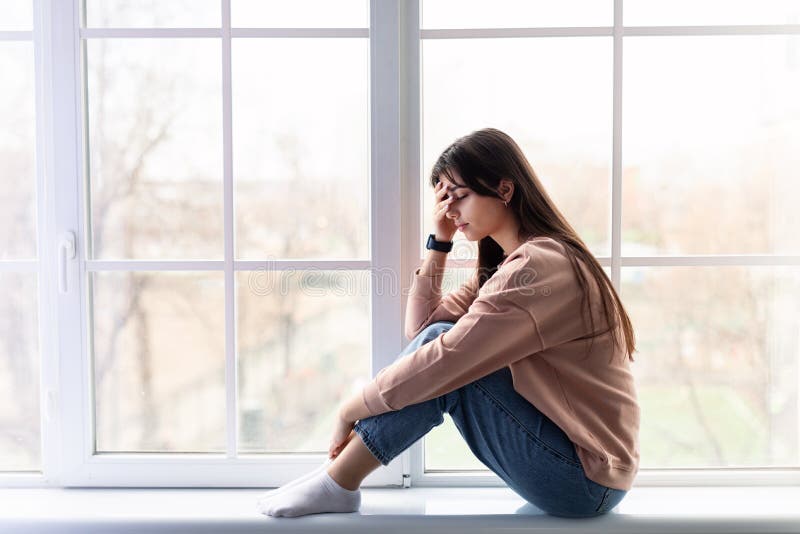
66	368
395	173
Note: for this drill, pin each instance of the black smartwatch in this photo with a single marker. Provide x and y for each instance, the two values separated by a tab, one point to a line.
441	246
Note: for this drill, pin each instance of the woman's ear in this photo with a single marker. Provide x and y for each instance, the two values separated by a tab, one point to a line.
506	189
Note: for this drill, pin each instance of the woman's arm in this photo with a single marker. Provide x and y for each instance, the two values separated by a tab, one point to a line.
434	263
426	290
353	409
425	304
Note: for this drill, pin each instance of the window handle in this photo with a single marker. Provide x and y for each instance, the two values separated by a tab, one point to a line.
66	251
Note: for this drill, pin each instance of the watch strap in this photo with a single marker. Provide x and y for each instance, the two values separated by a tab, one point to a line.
441	246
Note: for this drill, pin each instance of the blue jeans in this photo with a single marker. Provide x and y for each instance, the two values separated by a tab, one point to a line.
505	432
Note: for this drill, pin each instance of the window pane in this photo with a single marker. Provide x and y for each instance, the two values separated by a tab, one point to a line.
516	13
303	345
159	361
155	139
717	364
710	12
557	107
152	13
17	157
301	148
16	15
20	438
445	449
300	14
711	129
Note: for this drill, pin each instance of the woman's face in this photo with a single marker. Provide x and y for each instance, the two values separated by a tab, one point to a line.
482	215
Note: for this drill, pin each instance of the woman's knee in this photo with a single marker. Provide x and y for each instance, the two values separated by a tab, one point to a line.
434	330
429	333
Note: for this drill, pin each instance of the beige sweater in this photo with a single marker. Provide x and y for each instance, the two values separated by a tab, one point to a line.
527	317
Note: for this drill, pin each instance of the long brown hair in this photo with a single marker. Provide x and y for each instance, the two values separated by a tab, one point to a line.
482	159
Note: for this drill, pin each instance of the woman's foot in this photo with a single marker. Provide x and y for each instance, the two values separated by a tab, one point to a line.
315	495
293	483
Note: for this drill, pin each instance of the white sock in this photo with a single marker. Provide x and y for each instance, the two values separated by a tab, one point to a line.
317	495
293	483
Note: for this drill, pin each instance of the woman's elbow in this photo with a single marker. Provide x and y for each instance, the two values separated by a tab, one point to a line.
411	333
413	325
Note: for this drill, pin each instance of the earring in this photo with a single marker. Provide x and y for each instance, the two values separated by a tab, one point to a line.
505	202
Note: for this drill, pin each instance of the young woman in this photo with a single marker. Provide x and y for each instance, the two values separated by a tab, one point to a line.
530	357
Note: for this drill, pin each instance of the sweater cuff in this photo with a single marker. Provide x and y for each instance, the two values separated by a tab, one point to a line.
373	400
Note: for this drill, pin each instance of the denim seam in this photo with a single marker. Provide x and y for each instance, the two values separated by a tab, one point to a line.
603	501
361	431
534	439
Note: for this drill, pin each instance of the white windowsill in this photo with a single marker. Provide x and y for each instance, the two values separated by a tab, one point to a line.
650	509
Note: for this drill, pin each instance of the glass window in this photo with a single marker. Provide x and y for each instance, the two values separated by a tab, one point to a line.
301	147
300	14
552	96
300	137
20	360
152	13
20	431
302	352
16	15
159	361
155	148
443	14
717	364
17	152
710	12
711	127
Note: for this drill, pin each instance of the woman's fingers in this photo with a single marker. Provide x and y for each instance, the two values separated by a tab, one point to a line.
442	224
441	192
443	200
333	452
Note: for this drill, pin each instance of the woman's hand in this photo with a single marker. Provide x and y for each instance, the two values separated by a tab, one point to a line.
342	434
443	227
350	411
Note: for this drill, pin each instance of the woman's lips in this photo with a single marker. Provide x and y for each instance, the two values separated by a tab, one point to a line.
461	228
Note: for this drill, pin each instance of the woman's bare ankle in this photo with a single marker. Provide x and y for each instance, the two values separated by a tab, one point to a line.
347	483
353	464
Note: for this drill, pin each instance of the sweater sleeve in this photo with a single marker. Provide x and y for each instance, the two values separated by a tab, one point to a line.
425	304
495	332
